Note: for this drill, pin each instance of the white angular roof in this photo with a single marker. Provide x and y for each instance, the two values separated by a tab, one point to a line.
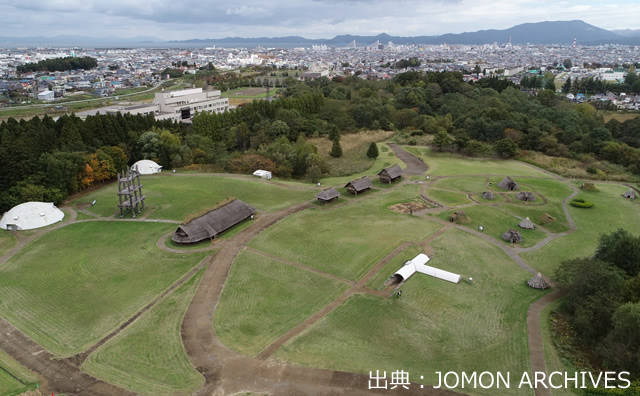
30	215
146	167
419	264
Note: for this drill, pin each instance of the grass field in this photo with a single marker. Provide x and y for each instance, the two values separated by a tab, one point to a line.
464	184
377	282
264	298
14	378
7	241
250	93
614	115
611	211
148	357
495	223
435	325
70	287
448	198
452	165
175	197
345	241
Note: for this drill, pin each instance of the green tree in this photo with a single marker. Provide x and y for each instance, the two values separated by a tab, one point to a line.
372	152
506	148
621	249
568	64
336	149
442	139
314	173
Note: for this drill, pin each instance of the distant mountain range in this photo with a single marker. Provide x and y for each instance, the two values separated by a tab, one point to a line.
554	32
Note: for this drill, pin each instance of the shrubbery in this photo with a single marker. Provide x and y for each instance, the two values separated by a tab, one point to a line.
581	203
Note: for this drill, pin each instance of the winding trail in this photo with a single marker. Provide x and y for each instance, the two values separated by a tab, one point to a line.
228	372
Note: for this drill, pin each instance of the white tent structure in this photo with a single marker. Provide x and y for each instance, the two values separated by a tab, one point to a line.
30	215
146	167
418	264
263	174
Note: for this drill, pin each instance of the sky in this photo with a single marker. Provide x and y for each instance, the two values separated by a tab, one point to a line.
185	19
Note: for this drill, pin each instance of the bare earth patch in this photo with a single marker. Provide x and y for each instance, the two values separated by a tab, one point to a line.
409	207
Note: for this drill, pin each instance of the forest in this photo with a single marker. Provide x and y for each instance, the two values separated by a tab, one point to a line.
59	64
48	160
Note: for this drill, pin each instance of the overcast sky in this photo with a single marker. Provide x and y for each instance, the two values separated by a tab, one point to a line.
183	19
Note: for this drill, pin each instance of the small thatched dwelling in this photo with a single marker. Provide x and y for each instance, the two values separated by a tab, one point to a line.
630	194
360	185
213	222
526	196
526	224
488	195
459	216
588	186
546	218
328	195
390	174
512	236
538	282
508	184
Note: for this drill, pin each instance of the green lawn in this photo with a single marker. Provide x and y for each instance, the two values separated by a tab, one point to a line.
448	198
176	196
345	241
611	211
435	325
453	165
476	184
148	356
14	378
495	223
385	159
7	241
264	298
69	288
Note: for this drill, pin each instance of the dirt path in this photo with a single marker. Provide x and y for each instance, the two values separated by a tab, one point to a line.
415	166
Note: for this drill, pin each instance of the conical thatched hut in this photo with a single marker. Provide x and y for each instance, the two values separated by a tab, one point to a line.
538	282
526	224
488	195
459	217
512	236
526	196
630	194
546	218
588	186
508	184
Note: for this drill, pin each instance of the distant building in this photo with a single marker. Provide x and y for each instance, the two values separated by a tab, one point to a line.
46	95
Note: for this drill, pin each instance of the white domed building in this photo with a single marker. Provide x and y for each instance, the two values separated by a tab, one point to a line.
30	215
146	167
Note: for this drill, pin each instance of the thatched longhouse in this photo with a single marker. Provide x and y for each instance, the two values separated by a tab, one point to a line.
214	222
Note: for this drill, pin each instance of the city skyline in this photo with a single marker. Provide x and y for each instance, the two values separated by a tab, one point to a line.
166	20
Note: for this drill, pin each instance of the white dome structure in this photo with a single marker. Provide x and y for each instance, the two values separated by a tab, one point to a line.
146	167
30	215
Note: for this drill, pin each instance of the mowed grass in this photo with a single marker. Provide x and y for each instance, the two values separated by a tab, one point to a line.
349	240
148	356
377	282
448	198
7	241
476	184
346	172
452	165
495	223
554	191
69	288
14	378
264	298
435	325
175	197
610	212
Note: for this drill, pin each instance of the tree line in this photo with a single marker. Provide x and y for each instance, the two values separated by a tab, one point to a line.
59	64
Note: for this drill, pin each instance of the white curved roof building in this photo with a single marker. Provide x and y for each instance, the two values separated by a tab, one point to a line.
146	167
419	264
30	215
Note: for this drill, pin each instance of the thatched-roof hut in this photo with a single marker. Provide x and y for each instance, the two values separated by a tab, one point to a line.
546	218
538	282
508	184
213	222
526	224
526	196
359	185
488	195
512	236
459	216
328	195
630	194
588	186
390	174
